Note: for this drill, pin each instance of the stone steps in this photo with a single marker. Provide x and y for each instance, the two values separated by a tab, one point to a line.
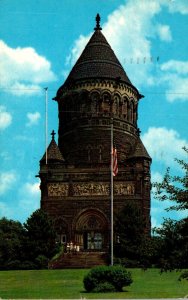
79	260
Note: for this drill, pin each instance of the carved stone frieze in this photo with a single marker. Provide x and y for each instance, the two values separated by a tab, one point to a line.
58	189
124	189
90	189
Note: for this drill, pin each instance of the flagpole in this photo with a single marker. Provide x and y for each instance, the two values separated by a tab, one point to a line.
46	122
112	198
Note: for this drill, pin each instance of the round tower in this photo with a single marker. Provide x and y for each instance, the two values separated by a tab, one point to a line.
75	183
96	91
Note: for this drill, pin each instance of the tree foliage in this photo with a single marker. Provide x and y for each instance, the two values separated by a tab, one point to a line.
174	188
12	236
27	246
40	236
173	244
132	242
174	234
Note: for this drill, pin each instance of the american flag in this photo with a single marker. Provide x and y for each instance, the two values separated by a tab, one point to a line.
115	165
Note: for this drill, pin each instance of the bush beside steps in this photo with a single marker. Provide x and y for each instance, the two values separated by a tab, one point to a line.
107	279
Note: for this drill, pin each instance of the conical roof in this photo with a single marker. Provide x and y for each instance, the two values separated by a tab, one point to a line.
140	150
53	152
97	60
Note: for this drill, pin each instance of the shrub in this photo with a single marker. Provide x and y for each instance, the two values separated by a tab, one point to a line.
104	287
13	265
28	265
103	277
41	262
183	275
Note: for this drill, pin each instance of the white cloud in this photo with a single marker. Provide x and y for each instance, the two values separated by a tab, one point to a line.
30	197
154	222
32	188
22	89
155	177
177	88
164	144
164	33
7	179
180	6
33	118
23	70
175	75
5	118
180	67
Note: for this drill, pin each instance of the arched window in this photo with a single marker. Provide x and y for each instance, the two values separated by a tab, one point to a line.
116	104
135	113
95	101
89	150
85	106
106	100
125	107
100	153
131	108
130	112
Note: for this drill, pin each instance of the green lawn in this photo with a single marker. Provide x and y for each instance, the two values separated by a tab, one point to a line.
68	284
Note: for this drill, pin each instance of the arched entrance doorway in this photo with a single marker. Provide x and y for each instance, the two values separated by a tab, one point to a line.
91	230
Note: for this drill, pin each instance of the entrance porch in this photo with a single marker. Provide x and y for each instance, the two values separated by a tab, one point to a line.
80	260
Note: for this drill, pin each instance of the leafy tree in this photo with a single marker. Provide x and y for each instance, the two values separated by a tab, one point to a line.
174	244
27	246
174	188
174	234
12	236
40	237
132	241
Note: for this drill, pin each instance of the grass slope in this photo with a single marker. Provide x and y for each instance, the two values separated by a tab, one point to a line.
68	284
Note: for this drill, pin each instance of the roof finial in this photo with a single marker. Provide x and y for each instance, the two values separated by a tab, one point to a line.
53	134
98	27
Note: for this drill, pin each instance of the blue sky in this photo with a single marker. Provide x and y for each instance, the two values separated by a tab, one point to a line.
40	41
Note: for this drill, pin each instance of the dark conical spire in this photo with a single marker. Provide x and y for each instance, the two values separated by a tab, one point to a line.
54	154
140	150
98	18
97	60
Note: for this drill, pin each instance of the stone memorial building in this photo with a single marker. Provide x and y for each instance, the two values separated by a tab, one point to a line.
75	179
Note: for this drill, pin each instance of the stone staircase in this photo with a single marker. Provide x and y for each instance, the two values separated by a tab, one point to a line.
79	260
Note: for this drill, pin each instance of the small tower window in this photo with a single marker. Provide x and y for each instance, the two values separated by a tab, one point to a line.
100	153
106	102
89	153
